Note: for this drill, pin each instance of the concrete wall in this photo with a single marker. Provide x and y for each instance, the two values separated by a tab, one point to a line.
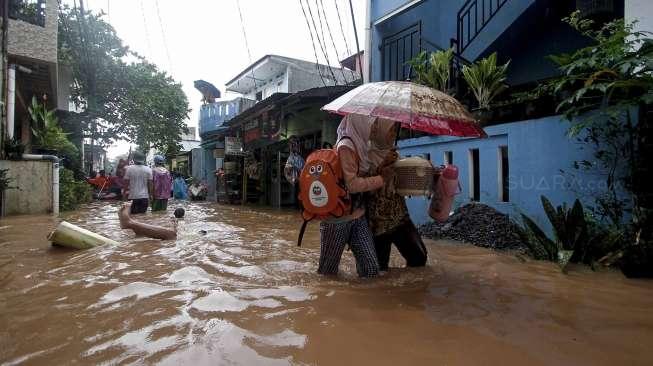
642	12
197	160
34	180
541	158
33	41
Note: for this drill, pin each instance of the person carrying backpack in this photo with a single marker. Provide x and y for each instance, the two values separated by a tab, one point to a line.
351	226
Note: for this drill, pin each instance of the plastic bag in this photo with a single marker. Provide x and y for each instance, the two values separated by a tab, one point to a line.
293	167
179	189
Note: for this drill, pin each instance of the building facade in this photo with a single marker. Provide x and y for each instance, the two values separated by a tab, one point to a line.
281	100
30	69
528	153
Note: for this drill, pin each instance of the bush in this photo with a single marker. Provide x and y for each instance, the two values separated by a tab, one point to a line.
72	192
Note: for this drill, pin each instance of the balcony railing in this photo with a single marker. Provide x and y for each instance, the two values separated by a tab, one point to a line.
30	11
473	16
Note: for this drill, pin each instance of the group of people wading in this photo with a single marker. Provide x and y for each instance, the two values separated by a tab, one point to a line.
378	216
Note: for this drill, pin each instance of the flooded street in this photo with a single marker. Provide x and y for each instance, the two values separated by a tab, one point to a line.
242	293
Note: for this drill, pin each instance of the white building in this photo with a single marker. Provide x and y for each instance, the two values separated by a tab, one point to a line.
278	74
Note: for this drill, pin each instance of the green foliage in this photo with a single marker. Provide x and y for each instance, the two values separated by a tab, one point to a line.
433	70
47	132
122	95
486	79
72	192
602	87
570	233
5	181
14	149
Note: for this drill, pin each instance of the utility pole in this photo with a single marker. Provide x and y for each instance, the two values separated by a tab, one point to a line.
358	49
90	80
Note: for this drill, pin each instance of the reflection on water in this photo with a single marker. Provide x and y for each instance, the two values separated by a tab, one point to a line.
243	293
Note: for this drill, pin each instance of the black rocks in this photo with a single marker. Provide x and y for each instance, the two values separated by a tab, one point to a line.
477	224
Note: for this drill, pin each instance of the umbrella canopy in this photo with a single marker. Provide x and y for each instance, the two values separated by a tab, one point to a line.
415	106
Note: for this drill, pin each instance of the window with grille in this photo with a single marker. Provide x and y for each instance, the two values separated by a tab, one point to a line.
397	50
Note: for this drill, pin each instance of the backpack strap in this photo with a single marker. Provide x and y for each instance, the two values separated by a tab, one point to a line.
302	230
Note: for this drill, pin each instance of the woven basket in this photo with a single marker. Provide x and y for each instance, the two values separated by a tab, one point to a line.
414	176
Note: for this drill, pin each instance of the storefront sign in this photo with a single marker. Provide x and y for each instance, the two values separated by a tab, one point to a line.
218	153
233	146
252	135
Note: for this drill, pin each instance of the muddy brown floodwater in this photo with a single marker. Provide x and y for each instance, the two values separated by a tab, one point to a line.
244	294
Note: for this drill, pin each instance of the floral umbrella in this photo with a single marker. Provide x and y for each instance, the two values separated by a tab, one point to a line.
415	106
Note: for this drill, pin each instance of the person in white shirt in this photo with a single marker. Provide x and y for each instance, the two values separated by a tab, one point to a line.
138	178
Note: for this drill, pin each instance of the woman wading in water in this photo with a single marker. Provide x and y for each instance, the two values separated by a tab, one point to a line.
386	210
352	146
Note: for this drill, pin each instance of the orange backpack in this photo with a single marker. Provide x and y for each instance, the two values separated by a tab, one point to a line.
322	191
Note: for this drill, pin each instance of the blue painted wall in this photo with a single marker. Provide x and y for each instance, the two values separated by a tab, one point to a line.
524	31
537	152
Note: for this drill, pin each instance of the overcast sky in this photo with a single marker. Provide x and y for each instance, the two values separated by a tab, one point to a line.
205	40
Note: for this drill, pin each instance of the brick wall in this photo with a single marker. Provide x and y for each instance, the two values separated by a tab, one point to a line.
33	41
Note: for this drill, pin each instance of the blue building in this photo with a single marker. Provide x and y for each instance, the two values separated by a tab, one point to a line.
212	117
528	153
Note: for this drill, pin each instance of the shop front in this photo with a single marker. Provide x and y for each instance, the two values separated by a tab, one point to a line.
270	131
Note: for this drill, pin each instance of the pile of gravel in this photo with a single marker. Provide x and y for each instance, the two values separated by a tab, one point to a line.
477	224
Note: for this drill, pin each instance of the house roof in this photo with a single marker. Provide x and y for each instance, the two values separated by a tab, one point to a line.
188	145
277	99
269	66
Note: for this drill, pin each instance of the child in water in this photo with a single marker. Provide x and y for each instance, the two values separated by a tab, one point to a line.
143	229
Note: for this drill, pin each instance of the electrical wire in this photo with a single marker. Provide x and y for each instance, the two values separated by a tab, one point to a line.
333	42
342	29
326	56
310	31
163	35
249	54
147	35
344	37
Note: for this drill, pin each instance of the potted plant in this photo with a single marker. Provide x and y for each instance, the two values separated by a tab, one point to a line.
14	149
49	137
433	70
486	79
5	182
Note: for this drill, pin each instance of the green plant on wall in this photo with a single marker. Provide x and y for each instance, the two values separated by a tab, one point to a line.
47	132
569	229
5	181
606	92
72	192
433	70
486	79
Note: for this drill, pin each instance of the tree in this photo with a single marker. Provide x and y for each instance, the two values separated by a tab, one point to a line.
607	93
121	95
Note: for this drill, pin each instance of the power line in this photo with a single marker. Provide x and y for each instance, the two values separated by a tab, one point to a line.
147	36
109	11
342	30
163	34
358	49
249	54
310	31
326	56
333	42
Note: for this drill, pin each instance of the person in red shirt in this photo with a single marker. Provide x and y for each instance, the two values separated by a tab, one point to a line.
101	181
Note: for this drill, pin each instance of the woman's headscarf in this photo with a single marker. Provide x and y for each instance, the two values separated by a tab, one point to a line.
380	141
357	128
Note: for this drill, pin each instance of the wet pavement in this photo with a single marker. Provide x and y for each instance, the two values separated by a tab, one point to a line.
244	294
